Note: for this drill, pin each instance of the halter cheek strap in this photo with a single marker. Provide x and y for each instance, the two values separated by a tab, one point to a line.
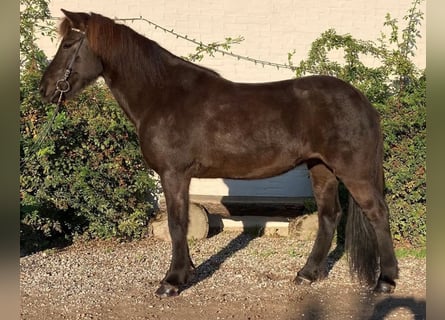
62	85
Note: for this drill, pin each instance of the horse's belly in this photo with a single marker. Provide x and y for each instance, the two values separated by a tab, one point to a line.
247	167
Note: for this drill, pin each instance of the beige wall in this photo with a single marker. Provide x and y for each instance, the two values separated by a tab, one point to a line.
271	29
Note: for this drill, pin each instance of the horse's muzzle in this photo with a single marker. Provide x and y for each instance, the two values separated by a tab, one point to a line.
48	95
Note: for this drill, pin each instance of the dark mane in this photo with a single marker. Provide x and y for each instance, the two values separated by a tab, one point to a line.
128	51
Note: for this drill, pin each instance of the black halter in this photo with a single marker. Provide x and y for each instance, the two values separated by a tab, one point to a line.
62	85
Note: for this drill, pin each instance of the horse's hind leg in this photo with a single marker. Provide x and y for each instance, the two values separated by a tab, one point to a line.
325	189
176	188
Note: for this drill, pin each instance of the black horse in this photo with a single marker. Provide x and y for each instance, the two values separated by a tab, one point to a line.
191	122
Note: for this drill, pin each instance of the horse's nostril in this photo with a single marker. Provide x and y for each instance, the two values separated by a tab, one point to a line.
42	90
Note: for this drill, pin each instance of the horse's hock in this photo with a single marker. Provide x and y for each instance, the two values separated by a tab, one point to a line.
268	216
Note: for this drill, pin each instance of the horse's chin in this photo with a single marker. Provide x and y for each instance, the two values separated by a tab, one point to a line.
49	98
55	98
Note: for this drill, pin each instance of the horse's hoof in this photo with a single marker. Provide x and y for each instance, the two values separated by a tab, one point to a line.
385	286
167	290
301	281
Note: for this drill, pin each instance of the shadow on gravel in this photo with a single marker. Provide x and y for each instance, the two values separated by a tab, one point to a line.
387	305
33	241
212	264
335	255
315	305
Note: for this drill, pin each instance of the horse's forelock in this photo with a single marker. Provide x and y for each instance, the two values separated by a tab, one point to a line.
99	31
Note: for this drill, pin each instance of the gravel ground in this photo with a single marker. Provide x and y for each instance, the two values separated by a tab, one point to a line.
238	277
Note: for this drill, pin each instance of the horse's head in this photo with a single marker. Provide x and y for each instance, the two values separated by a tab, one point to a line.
75	65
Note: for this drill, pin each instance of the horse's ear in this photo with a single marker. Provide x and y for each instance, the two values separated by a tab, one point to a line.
78	20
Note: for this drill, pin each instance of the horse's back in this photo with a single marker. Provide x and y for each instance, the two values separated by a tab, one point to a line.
237	130
316	110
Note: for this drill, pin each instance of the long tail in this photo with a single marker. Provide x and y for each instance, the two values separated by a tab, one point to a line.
361	245
361	241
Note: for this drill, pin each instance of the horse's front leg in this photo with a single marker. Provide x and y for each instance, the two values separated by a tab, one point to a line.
176	192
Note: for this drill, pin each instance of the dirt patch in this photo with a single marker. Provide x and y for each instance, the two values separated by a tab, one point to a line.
238	276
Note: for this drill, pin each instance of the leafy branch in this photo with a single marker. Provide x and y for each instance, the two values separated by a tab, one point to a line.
34	20
211	48
394	51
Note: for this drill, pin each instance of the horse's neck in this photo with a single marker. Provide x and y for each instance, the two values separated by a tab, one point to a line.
125	95
136	92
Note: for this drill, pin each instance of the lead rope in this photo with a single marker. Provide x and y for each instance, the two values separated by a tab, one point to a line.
62	87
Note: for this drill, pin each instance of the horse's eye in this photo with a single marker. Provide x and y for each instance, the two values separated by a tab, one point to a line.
67	45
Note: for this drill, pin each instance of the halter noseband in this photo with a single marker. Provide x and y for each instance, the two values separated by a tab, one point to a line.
62	85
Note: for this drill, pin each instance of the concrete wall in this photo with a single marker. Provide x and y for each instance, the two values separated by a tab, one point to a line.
271	29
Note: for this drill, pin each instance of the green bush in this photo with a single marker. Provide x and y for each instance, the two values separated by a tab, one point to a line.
404	130
88	175
397	89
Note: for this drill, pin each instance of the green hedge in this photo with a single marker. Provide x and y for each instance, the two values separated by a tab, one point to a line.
404	130
88	176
